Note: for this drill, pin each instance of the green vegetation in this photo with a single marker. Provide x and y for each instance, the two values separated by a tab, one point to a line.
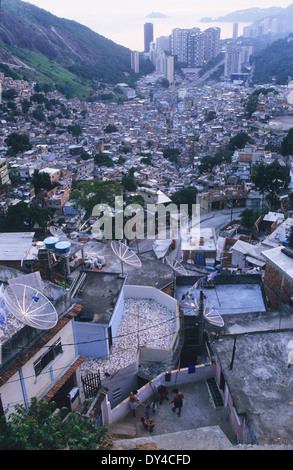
62	54
49	71
171	154
128	181
23	216
287	143
249	216
274	62
37	428
273	179
110	128
101	159
87	194
208	162
17	143
239	141
252	100
41	181
185	196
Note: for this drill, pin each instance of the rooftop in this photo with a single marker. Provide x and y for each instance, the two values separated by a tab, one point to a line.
260	382
99	294
199	416
16	246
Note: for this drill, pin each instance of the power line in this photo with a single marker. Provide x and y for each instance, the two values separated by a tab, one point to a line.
96	340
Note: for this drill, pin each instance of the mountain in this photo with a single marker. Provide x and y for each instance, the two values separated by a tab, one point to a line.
256	14
42	47
250	14
274	64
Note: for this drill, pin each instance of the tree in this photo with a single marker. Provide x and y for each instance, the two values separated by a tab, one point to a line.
110	128
171	154
38	114
185	196
75	130
287	143
90	193
17	143
273	178
101	159
128	182
37	428
41	181
249	216
239	141
25	105
23	216
9	95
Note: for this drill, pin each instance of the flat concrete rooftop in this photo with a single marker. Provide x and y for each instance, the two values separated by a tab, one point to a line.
229	299
198	411
99	294
260	382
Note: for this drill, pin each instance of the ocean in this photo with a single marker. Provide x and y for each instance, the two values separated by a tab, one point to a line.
128	30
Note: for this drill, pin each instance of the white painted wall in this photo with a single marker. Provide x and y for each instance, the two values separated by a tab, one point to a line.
24	385
178	377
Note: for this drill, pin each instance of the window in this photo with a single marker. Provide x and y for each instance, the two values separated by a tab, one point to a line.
116	393
47	357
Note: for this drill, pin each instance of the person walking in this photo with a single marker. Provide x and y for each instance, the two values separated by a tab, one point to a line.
177	401
163	392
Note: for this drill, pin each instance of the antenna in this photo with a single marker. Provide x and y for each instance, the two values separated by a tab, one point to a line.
177	266
3	308
214	318
125	254
30	306
57	232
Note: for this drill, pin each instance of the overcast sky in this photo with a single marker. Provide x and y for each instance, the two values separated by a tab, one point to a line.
119	20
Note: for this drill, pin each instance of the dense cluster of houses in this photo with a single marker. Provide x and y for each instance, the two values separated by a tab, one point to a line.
251	287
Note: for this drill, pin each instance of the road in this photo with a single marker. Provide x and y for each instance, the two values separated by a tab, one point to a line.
218	219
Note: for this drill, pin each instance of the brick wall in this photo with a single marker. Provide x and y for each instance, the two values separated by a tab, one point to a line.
273	286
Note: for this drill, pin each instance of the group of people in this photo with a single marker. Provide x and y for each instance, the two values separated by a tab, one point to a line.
147	422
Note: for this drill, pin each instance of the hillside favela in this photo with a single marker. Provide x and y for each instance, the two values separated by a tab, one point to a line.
146	233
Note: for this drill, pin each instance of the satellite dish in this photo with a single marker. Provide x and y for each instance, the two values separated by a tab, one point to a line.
125	254
57	232
214	318
3	308
177	266
30	306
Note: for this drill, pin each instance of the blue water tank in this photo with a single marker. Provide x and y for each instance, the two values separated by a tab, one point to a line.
63	248
51	242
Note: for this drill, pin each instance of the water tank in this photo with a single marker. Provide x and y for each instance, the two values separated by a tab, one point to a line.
51	242
63	248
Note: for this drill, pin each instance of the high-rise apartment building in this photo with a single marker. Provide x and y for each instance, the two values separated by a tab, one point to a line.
170	69
135	61
212	43
148	36
233	57
194	47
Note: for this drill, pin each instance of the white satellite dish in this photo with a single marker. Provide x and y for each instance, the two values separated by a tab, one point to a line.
57	232
214	318
176	266
30	306
125	254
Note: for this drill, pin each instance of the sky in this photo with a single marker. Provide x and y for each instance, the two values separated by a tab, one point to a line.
122	21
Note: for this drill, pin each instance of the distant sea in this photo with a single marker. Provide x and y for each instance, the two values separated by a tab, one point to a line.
128	31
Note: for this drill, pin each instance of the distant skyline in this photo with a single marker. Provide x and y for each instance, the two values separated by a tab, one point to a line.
122	22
